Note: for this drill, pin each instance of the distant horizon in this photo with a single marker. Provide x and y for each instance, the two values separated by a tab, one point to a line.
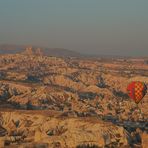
92	27
78	52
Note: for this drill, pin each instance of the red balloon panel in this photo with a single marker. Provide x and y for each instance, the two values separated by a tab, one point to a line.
136	91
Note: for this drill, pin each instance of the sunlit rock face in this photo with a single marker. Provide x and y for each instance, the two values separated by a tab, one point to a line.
70	132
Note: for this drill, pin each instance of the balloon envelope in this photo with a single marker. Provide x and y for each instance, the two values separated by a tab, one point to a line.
137	90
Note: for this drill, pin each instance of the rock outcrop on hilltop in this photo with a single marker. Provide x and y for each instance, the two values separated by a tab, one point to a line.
58	52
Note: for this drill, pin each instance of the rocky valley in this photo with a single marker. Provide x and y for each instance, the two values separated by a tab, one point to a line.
71	102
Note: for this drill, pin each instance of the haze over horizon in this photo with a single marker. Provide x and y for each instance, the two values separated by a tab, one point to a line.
92	27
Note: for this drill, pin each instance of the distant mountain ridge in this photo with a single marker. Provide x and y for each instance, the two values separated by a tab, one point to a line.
59	52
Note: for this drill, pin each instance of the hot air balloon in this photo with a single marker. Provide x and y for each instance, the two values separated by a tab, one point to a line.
137	90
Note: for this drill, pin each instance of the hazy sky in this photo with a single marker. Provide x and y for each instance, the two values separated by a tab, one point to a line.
116	27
